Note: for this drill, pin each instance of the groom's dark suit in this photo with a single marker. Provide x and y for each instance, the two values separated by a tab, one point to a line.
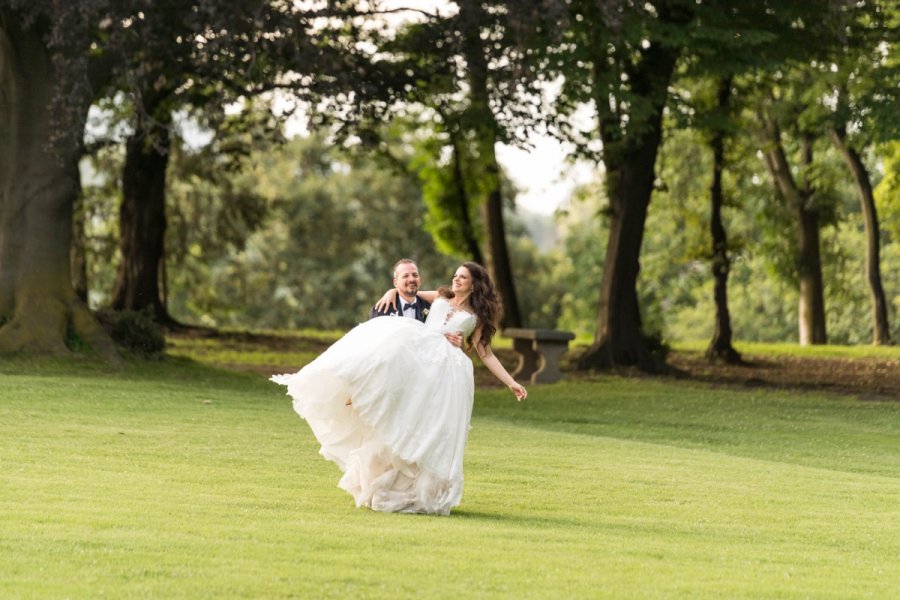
422	308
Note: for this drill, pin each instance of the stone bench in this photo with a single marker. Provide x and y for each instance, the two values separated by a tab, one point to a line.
539	353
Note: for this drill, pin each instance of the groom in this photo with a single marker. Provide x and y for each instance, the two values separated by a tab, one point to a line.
406	282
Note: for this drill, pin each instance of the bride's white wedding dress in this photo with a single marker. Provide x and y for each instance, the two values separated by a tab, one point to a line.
390	403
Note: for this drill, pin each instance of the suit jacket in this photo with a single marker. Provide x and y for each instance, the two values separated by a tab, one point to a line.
421	310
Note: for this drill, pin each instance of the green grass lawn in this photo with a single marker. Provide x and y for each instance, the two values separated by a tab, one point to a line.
173	479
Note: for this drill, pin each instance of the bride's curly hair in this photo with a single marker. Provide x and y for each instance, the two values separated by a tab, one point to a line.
484	300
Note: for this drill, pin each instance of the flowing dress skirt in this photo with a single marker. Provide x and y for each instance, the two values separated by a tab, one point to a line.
390	404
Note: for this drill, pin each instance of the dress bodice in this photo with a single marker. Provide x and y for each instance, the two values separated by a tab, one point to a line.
446	318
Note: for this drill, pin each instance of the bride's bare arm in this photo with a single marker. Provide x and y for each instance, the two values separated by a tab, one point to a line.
493	364
389	299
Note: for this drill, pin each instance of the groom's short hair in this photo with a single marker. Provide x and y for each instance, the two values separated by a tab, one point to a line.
403	261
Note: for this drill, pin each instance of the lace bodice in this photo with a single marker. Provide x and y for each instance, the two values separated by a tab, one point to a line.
446	318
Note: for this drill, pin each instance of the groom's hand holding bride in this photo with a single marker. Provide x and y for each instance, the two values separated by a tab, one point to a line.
455	338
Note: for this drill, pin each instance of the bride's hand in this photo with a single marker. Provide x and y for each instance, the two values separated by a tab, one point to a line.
389	299
517	389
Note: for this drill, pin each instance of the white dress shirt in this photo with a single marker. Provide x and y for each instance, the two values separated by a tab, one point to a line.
408	312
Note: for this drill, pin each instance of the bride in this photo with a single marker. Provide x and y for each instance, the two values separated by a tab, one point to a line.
390	402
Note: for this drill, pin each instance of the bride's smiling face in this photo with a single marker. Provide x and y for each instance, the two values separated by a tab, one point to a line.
462	282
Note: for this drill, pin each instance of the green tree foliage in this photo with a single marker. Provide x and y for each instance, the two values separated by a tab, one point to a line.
887	198
887	192
100	199
336	224
175	61
444	172
468	71
55	59
539	272
581	225
621	57
264	240
675	289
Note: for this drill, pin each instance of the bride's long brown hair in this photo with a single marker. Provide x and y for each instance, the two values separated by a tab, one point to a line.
484	301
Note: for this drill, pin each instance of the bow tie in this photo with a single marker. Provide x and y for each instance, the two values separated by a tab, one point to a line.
405	306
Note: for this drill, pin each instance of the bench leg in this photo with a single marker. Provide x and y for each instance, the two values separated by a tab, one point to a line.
551	354
528	360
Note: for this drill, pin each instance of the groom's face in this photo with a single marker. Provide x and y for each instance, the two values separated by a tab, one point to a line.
406	280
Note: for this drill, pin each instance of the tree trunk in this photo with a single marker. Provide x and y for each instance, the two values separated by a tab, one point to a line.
811	308
619	339
720	347
881	332
812	287
142	221
812	290
630	160
39	311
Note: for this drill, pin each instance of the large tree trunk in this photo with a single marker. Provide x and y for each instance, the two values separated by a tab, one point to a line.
498	261
812	286
619	339
630	159
142	221
720	347
39	311
811	308
881	332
